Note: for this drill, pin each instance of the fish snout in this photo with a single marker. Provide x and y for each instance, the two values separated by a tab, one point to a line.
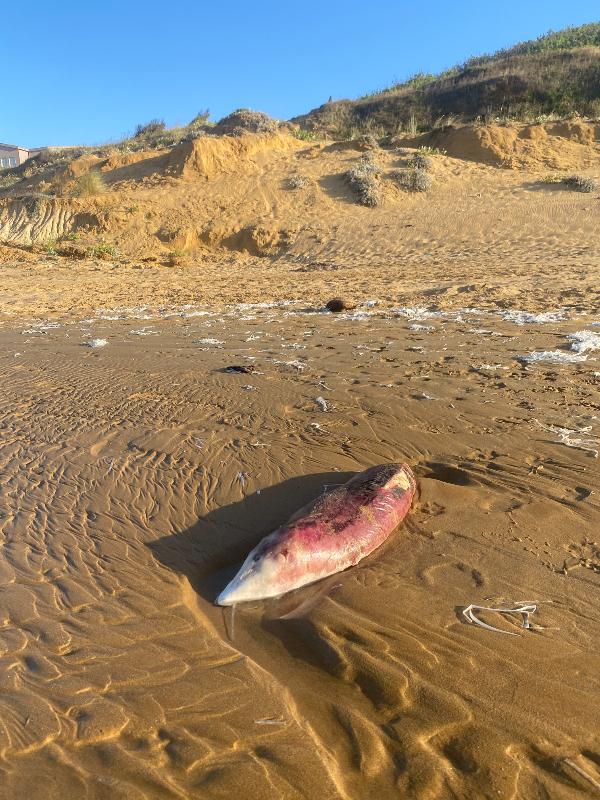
256	579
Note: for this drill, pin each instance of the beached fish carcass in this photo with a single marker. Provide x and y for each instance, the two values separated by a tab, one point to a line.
332	533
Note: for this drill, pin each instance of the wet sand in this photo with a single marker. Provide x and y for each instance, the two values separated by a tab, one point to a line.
136	475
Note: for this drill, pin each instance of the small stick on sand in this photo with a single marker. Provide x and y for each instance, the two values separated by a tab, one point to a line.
242	477
231	626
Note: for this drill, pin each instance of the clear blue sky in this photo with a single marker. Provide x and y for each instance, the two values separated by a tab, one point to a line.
87	72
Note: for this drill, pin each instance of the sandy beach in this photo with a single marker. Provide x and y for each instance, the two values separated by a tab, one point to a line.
137	472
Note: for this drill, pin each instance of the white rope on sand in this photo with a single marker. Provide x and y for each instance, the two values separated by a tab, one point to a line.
524	609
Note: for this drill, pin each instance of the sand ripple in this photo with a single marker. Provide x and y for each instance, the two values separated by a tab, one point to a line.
121	515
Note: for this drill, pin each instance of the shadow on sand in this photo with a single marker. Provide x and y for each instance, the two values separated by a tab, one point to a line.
543	186
336	186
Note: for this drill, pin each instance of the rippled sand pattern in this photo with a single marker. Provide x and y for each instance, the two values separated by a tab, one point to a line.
135	476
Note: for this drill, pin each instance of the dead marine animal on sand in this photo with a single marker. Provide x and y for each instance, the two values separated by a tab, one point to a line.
332	533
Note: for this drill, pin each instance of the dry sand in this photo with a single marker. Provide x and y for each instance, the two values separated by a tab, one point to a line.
136	474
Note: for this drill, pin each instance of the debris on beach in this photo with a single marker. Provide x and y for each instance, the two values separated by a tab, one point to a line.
338	304
96	343
532	318
582	343
296	364
144	332
294	346
322	403
242	477
556	356
524	609
210	341
589	444
241	368
417	326
570	763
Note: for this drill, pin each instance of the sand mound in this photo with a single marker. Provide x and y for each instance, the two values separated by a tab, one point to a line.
257	240
81	165
38	217
117	159
263	239
208	156
204	157
246	121
559	145
576	131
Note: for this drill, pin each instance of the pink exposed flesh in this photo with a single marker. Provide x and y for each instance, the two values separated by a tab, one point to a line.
332	533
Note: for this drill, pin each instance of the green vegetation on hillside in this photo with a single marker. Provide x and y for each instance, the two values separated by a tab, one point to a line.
567	39
556	75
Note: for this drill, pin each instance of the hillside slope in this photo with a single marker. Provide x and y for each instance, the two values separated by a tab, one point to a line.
557	74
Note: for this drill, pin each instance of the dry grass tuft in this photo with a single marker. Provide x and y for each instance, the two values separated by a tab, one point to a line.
152	128
89	184
413	180
363	178
580	183
298	182
246	121
175	258
368	141
420	161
